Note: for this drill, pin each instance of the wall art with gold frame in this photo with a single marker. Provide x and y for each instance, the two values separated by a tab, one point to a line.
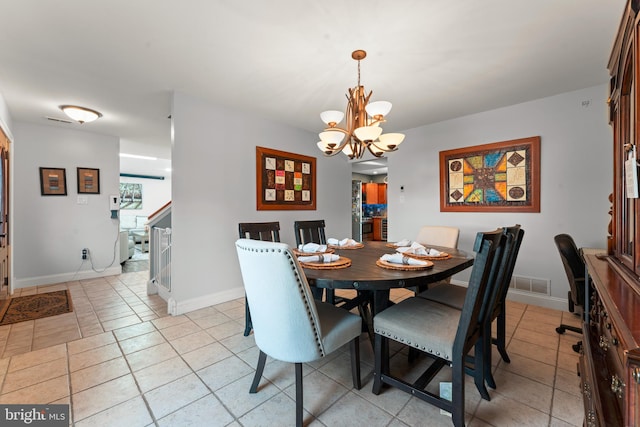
498	177
285	181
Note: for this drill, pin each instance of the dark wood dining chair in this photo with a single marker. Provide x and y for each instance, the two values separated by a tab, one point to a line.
313	232
494	307
267	232
413	321
289	324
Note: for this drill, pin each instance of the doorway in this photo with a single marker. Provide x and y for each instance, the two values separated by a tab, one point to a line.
369	202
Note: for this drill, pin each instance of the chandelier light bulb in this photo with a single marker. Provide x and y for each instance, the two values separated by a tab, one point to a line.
390	141
332	117
378	109
368	133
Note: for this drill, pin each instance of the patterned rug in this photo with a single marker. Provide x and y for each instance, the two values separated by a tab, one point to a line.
31	307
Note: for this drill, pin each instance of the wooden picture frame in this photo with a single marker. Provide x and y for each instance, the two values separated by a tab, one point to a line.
53	181
88	181
498	177
284	181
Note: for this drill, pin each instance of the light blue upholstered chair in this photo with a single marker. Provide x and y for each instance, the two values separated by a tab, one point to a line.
288	324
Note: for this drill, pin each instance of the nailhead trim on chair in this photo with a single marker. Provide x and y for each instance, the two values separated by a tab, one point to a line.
428	350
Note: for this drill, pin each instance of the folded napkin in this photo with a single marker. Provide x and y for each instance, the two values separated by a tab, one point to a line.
415	248
405	242
418	249
398	258
342	243
312	247
319	258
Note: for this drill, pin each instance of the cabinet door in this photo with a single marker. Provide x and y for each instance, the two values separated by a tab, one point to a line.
372	193
382	194
377	228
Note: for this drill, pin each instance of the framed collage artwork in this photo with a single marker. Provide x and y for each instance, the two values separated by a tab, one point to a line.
285	181
53	182
88	181
499	177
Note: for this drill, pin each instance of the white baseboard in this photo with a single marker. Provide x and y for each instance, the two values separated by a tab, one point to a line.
180	307
64	277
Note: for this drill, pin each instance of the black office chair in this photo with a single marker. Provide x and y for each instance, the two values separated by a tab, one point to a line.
574	267
267	232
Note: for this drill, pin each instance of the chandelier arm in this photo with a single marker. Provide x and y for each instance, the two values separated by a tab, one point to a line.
377	154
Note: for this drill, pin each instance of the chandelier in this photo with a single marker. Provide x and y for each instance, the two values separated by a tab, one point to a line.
362	129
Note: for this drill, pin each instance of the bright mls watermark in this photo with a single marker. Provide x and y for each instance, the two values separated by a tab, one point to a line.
34	415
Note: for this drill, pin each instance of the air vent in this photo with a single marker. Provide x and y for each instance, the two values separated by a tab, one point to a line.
534	285
55	119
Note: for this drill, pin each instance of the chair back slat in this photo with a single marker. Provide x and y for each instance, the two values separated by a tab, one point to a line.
310	232
265	231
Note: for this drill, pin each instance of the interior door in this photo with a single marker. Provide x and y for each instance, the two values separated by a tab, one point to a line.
5	247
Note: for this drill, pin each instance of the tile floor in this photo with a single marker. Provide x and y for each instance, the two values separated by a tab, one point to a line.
118	359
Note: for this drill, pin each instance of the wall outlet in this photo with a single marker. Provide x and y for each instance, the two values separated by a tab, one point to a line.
85	252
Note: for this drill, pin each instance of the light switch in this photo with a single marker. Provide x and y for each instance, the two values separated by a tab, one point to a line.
83	200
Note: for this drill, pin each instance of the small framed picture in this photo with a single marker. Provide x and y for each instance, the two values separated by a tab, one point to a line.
88	181
53	182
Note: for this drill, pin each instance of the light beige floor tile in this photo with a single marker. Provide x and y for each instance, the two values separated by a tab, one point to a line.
90	343
226	330
134	331
205	356
191	342
568	407
537	338
167	322
237	399
357	410
132	413
104	396
161	373
541	354
141	342
98	374
319	392
40	393
150	356
26	377
207	411
504	412
120	323
279	410
524	390
180	330
37	357
530	368
94	356
224	372
175	395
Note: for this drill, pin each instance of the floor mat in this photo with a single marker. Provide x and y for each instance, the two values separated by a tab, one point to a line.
31	307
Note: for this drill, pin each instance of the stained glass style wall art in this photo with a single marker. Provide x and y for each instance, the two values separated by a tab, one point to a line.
499	177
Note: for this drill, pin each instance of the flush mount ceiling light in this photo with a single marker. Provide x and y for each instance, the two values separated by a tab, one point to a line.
80	114
362	130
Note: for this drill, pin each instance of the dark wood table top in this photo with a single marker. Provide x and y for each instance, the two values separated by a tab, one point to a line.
364	274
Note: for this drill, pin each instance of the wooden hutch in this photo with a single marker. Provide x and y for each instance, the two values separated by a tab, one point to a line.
610	361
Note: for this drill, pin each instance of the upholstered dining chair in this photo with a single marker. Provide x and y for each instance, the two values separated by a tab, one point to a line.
495	303
265	231
446	334
437	235
574	268
289	324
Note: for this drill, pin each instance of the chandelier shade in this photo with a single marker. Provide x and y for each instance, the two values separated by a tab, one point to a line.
362	131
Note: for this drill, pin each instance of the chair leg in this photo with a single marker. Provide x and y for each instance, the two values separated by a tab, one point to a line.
330	295
355	363
380	341
486	357
502	335
457	392
479	369
259	369
299	397
248	325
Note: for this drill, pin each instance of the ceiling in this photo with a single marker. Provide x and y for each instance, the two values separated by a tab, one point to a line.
288	60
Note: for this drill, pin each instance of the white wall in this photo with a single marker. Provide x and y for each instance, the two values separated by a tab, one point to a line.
576	179
49	232
214	188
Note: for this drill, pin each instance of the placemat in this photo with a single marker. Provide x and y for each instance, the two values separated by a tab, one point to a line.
393	266
443	255
343	262
356	246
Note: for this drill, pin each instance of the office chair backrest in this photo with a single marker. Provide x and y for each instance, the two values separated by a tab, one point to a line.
265	231
310	232
284	314
573	266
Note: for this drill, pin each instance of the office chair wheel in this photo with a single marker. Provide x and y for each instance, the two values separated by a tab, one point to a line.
560	330
577	347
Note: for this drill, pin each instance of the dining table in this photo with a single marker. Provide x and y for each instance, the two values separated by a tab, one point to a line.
365	276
